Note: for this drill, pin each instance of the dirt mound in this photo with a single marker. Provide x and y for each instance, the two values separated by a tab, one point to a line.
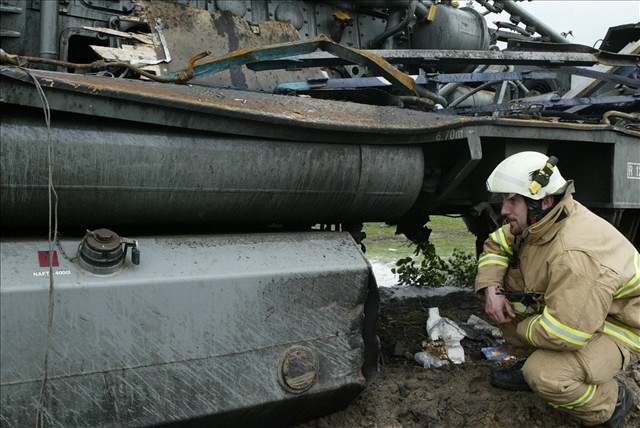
407	395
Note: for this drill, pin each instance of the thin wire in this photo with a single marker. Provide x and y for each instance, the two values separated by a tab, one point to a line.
52	238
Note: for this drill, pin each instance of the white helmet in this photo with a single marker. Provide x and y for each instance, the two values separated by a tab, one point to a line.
515	174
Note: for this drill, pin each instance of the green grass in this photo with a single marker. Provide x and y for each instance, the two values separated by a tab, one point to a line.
447	233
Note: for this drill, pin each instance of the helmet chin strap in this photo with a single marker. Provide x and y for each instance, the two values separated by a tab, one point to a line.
535	213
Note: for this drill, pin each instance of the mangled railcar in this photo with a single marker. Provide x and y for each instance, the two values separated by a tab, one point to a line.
184	186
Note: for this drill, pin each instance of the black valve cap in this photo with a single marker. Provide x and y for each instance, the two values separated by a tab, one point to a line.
135	256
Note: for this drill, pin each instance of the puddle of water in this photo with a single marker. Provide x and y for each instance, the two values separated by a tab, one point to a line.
383	274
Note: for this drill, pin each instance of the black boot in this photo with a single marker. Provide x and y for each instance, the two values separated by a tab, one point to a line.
623	407
510	378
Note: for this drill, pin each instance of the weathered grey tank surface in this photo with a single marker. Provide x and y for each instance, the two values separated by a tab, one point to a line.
238	326
454	28
123	173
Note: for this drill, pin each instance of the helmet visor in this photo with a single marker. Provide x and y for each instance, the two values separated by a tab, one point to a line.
498	198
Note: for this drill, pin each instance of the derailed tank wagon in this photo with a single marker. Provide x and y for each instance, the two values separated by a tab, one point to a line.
188	282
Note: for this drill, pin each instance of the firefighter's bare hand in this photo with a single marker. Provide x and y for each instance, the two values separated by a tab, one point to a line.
497	306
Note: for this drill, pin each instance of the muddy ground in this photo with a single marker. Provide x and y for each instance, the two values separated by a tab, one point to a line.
407	395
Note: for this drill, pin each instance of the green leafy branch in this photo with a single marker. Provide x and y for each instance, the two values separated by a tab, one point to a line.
434	271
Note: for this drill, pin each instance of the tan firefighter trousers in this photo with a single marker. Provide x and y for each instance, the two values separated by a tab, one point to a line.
580	382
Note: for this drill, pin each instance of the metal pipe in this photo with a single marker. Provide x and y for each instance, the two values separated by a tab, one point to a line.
513	9
613	113
471	92
422	10
436	98
49	29
449	88
391	31
480	98
395	18
521	86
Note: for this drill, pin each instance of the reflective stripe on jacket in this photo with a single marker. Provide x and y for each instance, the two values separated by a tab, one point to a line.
588	272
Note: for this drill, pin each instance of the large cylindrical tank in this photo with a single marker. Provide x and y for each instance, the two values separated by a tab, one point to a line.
109	173
452	28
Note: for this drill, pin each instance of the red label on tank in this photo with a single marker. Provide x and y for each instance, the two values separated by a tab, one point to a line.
43	258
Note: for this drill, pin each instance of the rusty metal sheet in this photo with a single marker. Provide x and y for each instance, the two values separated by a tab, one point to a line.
188	30
377	64
249	106
401	81
249	113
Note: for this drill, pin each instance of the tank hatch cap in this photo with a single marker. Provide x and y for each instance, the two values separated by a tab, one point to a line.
102	251
102	240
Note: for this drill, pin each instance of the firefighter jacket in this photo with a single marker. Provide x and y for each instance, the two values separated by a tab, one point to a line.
577	275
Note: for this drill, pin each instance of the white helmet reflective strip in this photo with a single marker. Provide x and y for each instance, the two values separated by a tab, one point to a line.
514	176
511	179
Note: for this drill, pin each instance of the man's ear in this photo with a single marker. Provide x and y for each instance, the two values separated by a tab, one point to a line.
548	202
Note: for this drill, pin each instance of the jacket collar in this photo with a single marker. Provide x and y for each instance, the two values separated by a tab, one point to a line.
546	229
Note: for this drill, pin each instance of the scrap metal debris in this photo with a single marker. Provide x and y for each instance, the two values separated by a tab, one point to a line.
246	56
532	78
7	58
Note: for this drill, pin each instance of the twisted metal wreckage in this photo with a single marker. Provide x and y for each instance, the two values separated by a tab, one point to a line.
218	133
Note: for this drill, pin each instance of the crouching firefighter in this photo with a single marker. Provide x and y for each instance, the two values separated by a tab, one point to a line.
574	282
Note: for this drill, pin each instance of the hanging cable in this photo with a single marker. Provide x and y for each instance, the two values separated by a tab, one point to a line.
52	237
409	14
